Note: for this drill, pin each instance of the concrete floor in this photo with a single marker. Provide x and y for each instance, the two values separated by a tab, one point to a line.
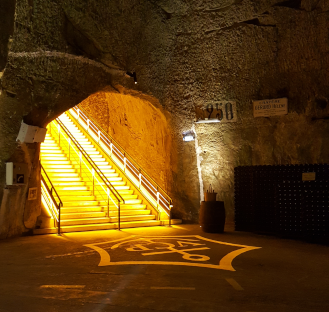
52	273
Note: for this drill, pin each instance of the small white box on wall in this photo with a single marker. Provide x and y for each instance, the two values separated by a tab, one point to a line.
16	173
31	134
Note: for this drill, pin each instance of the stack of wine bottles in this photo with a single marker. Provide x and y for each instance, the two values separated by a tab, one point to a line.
276	200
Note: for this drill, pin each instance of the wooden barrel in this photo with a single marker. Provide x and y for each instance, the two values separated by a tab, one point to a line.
212	216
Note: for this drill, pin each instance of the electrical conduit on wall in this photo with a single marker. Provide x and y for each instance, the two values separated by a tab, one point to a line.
198	161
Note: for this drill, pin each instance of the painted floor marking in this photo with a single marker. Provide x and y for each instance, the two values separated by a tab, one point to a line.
234	283
175	288
63	286
152	244
180	228
186	255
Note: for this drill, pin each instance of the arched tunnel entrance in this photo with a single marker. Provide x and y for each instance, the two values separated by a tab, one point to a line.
105	163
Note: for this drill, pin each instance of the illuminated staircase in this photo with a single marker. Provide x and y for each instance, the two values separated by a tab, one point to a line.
83	209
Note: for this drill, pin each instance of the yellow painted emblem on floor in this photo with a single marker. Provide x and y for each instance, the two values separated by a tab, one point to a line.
191	248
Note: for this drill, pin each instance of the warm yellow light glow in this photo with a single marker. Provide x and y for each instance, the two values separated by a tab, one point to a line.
87	200
48	202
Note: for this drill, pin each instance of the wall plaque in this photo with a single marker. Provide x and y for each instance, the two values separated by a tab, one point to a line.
221	111
268	108
33	192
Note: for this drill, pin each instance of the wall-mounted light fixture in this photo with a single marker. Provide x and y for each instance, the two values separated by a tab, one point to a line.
31	134
188	136
132	75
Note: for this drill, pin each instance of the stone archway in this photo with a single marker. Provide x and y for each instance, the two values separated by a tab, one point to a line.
36	88
140	125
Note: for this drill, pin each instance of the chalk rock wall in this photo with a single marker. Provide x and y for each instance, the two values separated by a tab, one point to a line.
186	54
139	127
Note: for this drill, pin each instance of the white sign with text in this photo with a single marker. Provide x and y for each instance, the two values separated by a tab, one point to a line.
268	108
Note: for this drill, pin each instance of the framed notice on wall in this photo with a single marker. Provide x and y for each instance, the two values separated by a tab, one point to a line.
33	192
268	108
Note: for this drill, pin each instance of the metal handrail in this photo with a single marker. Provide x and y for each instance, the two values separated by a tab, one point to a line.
77	108
144	180
50	194
90	161
95	170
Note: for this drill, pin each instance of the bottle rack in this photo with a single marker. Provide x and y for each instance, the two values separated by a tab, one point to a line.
275	200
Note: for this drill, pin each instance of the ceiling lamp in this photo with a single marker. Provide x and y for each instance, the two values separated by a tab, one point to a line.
132	75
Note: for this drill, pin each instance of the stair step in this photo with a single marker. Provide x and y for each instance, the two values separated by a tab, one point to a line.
121	187
45	147
114	183
54	158
68	183
127	197
133	218
72	188
130	207
66	215
63	179
83	209
94	153
104	226
82	215
102	162
51	152
111	179
49	166
46	162
68	198
126	192
109	174
80	203
114	213
62	170
89	148
133	201
64	175
84	221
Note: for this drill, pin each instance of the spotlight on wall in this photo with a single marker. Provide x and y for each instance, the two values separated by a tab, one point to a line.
188	136
132	75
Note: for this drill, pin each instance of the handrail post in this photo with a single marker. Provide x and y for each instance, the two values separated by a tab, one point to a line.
59	134
170	214
69	148
88	121
124	162
140	179
99	136
158	200
59	219
93	173
78	113
80	156
111	147
108	202
119	215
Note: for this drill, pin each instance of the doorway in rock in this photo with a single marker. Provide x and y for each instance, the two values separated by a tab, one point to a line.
98	162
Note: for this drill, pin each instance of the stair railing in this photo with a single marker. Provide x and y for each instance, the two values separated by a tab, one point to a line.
135	173
86	166
51	199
